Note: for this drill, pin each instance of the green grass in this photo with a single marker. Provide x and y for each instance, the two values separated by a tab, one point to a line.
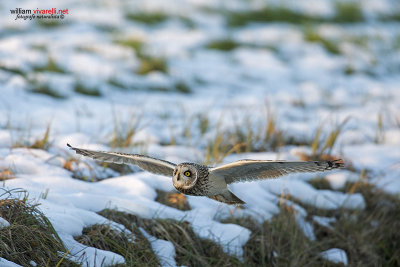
218	148
348	12
117	84
30	236
147	18
367	235
268	14
154	18
133	247
203	123
13	70
149	64
321	147
345	12
51	66
190	249
133	43
45	89
320	183
44	142
182	87
280	242
124	130
84	90
312	36
223	45
380	130
349	70
48	23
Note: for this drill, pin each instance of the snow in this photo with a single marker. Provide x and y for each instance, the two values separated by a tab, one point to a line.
4	223
6	263
335	255
324	221
275	68
88	255
164	250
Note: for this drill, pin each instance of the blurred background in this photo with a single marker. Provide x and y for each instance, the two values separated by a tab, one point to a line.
213	82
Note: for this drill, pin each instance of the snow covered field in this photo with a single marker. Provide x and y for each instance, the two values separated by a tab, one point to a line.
185	81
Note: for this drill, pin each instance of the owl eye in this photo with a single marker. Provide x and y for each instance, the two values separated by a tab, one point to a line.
187	173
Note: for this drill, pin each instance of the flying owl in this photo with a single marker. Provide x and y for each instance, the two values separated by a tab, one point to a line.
199	180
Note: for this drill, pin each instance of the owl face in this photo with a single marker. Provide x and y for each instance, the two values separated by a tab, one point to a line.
185	176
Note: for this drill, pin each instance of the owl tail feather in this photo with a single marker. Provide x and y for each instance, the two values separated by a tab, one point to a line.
228	197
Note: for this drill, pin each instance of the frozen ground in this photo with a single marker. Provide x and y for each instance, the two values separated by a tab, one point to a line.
180	109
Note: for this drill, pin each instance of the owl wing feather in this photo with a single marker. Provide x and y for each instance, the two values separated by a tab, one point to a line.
153	165
250	170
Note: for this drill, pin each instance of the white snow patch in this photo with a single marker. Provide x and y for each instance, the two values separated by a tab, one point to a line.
306	227
336	180
88	255
4	223
6	263
335	255
164	250
324	221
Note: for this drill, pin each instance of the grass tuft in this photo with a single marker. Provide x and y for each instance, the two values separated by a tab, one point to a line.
30	236
137	253
348	11
218	148
280	242
322	150
380	131
173	199
147	18
190	249
349	70
133	43
48	23
267	14
182	87
345	12
124	131
51	66
84	90
45	89
40	143
43	143
314	37
320	183
149	64
12	70
6	174
223	45
367	235
134	248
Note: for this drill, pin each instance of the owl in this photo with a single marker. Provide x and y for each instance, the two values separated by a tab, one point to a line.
199	180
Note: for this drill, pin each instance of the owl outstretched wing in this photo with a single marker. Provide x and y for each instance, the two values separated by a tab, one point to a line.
153	165
250	170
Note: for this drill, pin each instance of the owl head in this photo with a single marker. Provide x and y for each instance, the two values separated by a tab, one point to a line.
185	176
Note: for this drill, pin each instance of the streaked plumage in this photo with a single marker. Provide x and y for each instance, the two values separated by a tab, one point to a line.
200	180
